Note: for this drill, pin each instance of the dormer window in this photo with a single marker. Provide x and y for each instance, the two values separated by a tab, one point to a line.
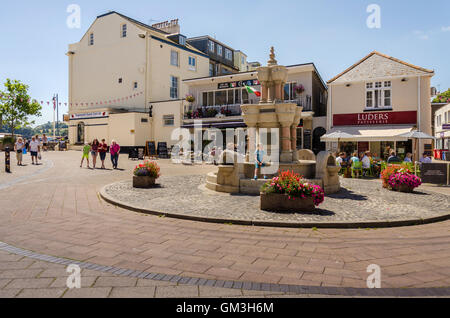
124	31
211	46
91	39
182	40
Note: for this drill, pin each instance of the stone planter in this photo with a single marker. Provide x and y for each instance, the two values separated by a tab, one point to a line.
281	203
143	182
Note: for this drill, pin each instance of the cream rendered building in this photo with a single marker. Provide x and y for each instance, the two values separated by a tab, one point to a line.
442	124
377	99
118	71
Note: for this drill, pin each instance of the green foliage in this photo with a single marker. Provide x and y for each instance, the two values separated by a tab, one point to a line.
16	106
443	97
8	140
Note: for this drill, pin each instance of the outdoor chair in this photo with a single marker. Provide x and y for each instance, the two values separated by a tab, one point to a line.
356	167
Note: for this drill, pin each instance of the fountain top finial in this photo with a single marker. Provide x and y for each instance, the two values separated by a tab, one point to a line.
272	60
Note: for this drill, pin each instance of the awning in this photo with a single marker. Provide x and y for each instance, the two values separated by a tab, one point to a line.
370	133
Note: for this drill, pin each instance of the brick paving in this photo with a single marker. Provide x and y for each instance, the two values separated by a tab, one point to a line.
58	212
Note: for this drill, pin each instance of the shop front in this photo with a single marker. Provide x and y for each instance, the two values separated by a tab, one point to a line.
377	132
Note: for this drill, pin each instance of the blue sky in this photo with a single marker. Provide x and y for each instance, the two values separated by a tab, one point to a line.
332	34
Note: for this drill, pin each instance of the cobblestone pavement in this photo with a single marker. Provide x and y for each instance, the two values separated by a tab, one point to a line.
358	201
58	212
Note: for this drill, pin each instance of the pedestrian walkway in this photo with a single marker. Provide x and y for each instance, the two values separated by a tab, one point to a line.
60	213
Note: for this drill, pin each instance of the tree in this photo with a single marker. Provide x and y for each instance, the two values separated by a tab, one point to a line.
443	97
16	106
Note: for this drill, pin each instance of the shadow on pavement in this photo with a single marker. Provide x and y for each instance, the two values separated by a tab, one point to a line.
348	195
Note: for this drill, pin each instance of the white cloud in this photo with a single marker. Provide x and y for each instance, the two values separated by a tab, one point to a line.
446	29
421	35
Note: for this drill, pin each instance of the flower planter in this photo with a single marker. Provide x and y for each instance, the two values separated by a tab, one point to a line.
143	182
405	188
282	203
385	184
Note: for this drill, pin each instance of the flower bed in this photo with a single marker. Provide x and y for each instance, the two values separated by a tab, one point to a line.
289	191
145	175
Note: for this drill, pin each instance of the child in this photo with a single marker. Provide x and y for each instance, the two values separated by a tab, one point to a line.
86	150
259	163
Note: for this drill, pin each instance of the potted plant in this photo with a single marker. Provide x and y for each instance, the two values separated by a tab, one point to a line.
403	181
290	192
190	98
145	175
391	170
299	89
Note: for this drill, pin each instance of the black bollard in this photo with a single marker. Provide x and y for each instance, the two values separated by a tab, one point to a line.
7	160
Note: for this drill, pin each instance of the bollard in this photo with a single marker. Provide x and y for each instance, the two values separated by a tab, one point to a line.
7	160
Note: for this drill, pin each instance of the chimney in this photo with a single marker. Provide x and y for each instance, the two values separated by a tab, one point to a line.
171	27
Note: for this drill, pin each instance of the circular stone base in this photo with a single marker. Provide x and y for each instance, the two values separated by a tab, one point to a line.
359	204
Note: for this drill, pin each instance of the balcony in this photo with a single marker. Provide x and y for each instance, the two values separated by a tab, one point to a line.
224	111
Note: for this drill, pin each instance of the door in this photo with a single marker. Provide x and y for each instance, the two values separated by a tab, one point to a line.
318	145
80	133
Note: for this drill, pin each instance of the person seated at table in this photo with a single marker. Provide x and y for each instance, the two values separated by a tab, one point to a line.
354	158
393	158
366	162
340	160
425	158
408	157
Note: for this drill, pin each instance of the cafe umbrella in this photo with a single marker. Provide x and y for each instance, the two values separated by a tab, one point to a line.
336	136
416	135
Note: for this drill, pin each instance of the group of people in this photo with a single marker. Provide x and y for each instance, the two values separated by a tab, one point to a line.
33	146
371	161
96	149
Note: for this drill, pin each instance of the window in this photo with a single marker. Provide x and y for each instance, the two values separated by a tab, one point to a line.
91	39
144	120
228	54
211	46
243	60
174	87
174	58
379	95
135	85
211	69
192	63
219	50
120	80
182	40
169	120
124	31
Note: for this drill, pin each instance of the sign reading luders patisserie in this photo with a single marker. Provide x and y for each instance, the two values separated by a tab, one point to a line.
377	118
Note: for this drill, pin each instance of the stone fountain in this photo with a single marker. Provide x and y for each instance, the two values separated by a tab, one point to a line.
273	113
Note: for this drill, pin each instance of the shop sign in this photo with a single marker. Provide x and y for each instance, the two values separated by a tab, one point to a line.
238	84
89	115
446	126
377	118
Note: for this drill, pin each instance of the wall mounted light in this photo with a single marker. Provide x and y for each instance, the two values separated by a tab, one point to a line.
348	85
404	79
142	35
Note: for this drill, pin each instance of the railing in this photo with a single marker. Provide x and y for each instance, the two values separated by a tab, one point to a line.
197	112
213	111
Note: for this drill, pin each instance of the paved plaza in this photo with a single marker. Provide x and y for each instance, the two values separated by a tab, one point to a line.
55	209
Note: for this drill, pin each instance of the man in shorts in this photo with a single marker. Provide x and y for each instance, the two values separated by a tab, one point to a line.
35	148
86	151
44	142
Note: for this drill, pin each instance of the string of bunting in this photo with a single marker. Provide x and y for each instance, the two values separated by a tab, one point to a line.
105	102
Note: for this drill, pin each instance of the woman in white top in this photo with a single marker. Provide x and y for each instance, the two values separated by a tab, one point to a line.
18	148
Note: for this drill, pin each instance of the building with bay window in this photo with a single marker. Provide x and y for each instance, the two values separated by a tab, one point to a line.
376	100
218	101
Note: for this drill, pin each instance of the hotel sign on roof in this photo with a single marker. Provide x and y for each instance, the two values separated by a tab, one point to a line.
238	84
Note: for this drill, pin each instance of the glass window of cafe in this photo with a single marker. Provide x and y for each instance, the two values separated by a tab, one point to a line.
234	96
378	149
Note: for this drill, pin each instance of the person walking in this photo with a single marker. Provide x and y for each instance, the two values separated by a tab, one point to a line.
103	149
35	148
114	150
44	143
18	148
86	150
94	152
